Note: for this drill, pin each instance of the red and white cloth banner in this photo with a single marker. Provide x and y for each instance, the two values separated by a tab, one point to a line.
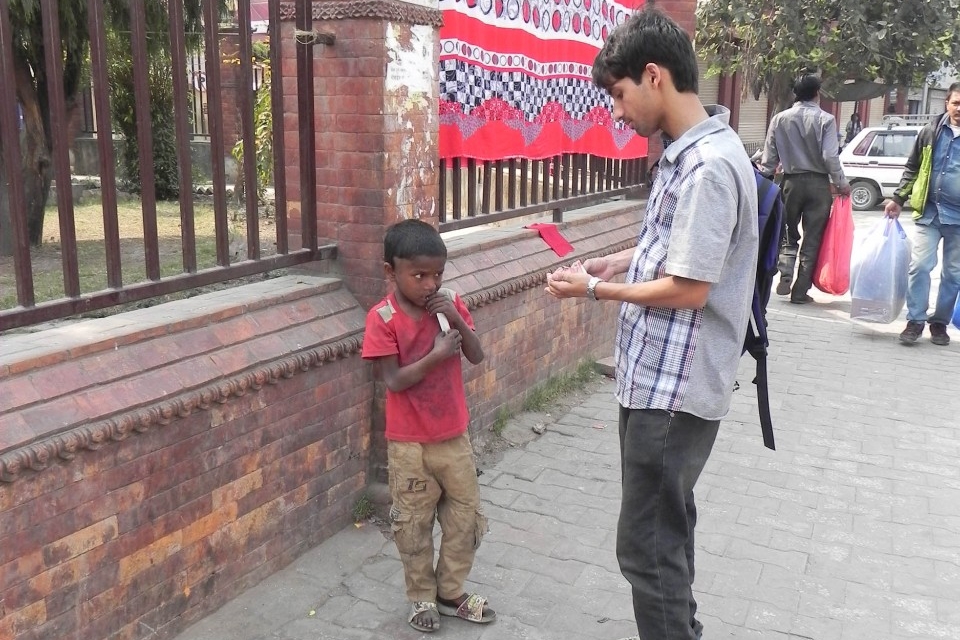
515	80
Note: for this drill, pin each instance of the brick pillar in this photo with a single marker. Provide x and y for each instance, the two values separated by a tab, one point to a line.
376	128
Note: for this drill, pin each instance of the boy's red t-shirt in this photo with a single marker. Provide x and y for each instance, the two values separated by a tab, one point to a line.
435	408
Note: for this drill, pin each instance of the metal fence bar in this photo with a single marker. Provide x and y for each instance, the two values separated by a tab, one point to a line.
61	161
471	187
245	91
279	155
16	200
108	178
308	143
215	105
498	176
443	189
485	189
457	199
141	92
524	190
178	46
512	184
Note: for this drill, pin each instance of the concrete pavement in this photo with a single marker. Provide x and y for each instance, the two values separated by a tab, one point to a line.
849	531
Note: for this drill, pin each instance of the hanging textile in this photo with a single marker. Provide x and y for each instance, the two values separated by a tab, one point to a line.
515	80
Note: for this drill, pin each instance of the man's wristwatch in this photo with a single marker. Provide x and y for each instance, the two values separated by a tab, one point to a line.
592	287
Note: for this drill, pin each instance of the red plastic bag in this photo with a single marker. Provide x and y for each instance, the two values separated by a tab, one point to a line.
832	273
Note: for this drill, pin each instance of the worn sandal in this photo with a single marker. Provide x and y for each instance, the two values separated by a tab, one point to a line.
473	609
416	608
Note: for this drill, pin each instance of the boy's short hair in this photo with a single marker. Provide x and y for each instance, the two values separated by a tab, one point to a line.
648	36
410	239
807	87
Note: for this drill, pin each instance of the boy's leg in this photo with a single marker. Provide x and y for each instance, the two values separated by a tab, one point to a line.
662	456
458	511
415	493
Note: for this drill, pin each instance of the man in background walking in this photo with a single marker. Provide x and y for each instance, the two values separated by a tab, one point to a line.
931	182
803	139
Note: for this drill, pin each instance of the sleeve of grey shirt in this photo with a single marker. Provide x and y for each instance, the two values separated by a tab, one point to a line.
771	157
831	152
702	225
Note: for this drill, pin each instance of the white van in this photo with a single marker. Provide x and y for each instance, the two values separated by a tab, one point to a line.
873	161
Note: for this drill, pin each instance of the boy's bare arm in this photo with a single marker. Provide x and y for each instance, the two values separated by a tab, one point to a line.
399	378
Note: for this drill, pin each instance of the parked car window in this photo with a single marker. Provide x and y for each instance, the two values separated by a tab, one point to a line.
892	144
861	148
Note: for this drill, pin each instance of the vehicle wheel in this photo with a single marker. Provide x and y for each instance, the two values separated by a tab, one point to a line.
864	195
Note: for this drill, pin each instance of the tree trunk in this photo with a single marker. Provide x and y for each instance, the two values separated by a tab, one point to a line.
35	145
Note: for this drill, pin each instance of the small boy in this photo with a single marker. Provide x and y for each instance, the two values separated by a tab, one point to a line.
415	336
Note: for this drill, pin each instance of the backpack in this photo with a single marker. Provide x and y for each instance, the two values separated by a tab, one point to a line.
770	227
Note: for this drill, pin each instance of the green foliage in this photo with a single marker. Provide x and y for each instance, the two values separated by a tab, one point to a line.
542	397
363	508
503	416
897	42
162	124
262	135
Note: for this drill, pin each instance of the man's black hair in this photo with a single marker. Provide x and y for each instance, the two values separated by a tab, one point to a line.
648	36
807	87
410	239
954	88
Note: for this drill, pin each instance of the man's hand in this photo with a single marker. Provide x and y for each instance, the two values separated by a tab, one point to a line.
844	189
568	283
892	210
600	267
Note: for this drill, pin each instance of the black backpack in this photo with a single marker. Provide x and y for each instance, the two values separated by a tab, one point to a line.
770	226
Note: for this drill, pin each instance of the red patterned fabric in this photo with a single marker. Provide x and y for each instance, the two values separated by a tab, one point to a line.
515	80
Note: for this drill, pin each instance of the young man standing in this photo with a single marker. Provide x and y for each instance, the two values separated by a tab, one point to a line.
931	182
804	141
685	304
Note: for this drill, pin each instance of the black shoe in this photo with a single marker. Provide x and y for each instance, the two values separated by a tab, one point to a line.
804	299
913	332
938	334
783	287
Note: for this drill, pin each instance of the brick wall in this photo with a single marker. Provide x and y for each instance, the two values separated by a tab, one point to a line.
155	464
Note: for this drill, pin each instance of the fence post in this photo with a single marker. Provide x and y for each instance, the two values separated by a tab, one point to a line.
376	129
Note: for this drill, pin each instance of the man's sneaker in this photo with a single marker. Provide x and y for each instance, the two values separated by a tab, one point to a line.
783	287
938	334
804	299
913	332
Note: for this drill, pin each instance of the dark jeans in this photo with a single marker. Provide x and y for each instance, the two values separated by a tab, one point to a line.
661	457
807	200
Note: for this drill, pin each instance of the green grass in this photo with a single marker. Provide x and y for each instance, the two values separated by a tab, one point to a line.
363	508
544	397
47	264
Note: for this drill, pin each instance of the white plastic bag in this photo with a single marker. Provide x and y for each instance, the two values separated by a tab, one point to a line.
878	274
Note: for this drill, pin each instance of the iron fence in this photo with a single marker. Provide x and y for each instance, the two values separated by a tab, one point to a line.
474	193
27	310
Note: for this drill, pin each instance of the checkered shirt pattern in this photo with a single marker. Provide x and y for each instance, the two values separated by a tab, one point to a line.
655	346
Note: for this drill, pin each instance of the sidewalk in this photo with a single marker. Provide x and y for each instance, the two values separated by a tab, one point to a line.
849	531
